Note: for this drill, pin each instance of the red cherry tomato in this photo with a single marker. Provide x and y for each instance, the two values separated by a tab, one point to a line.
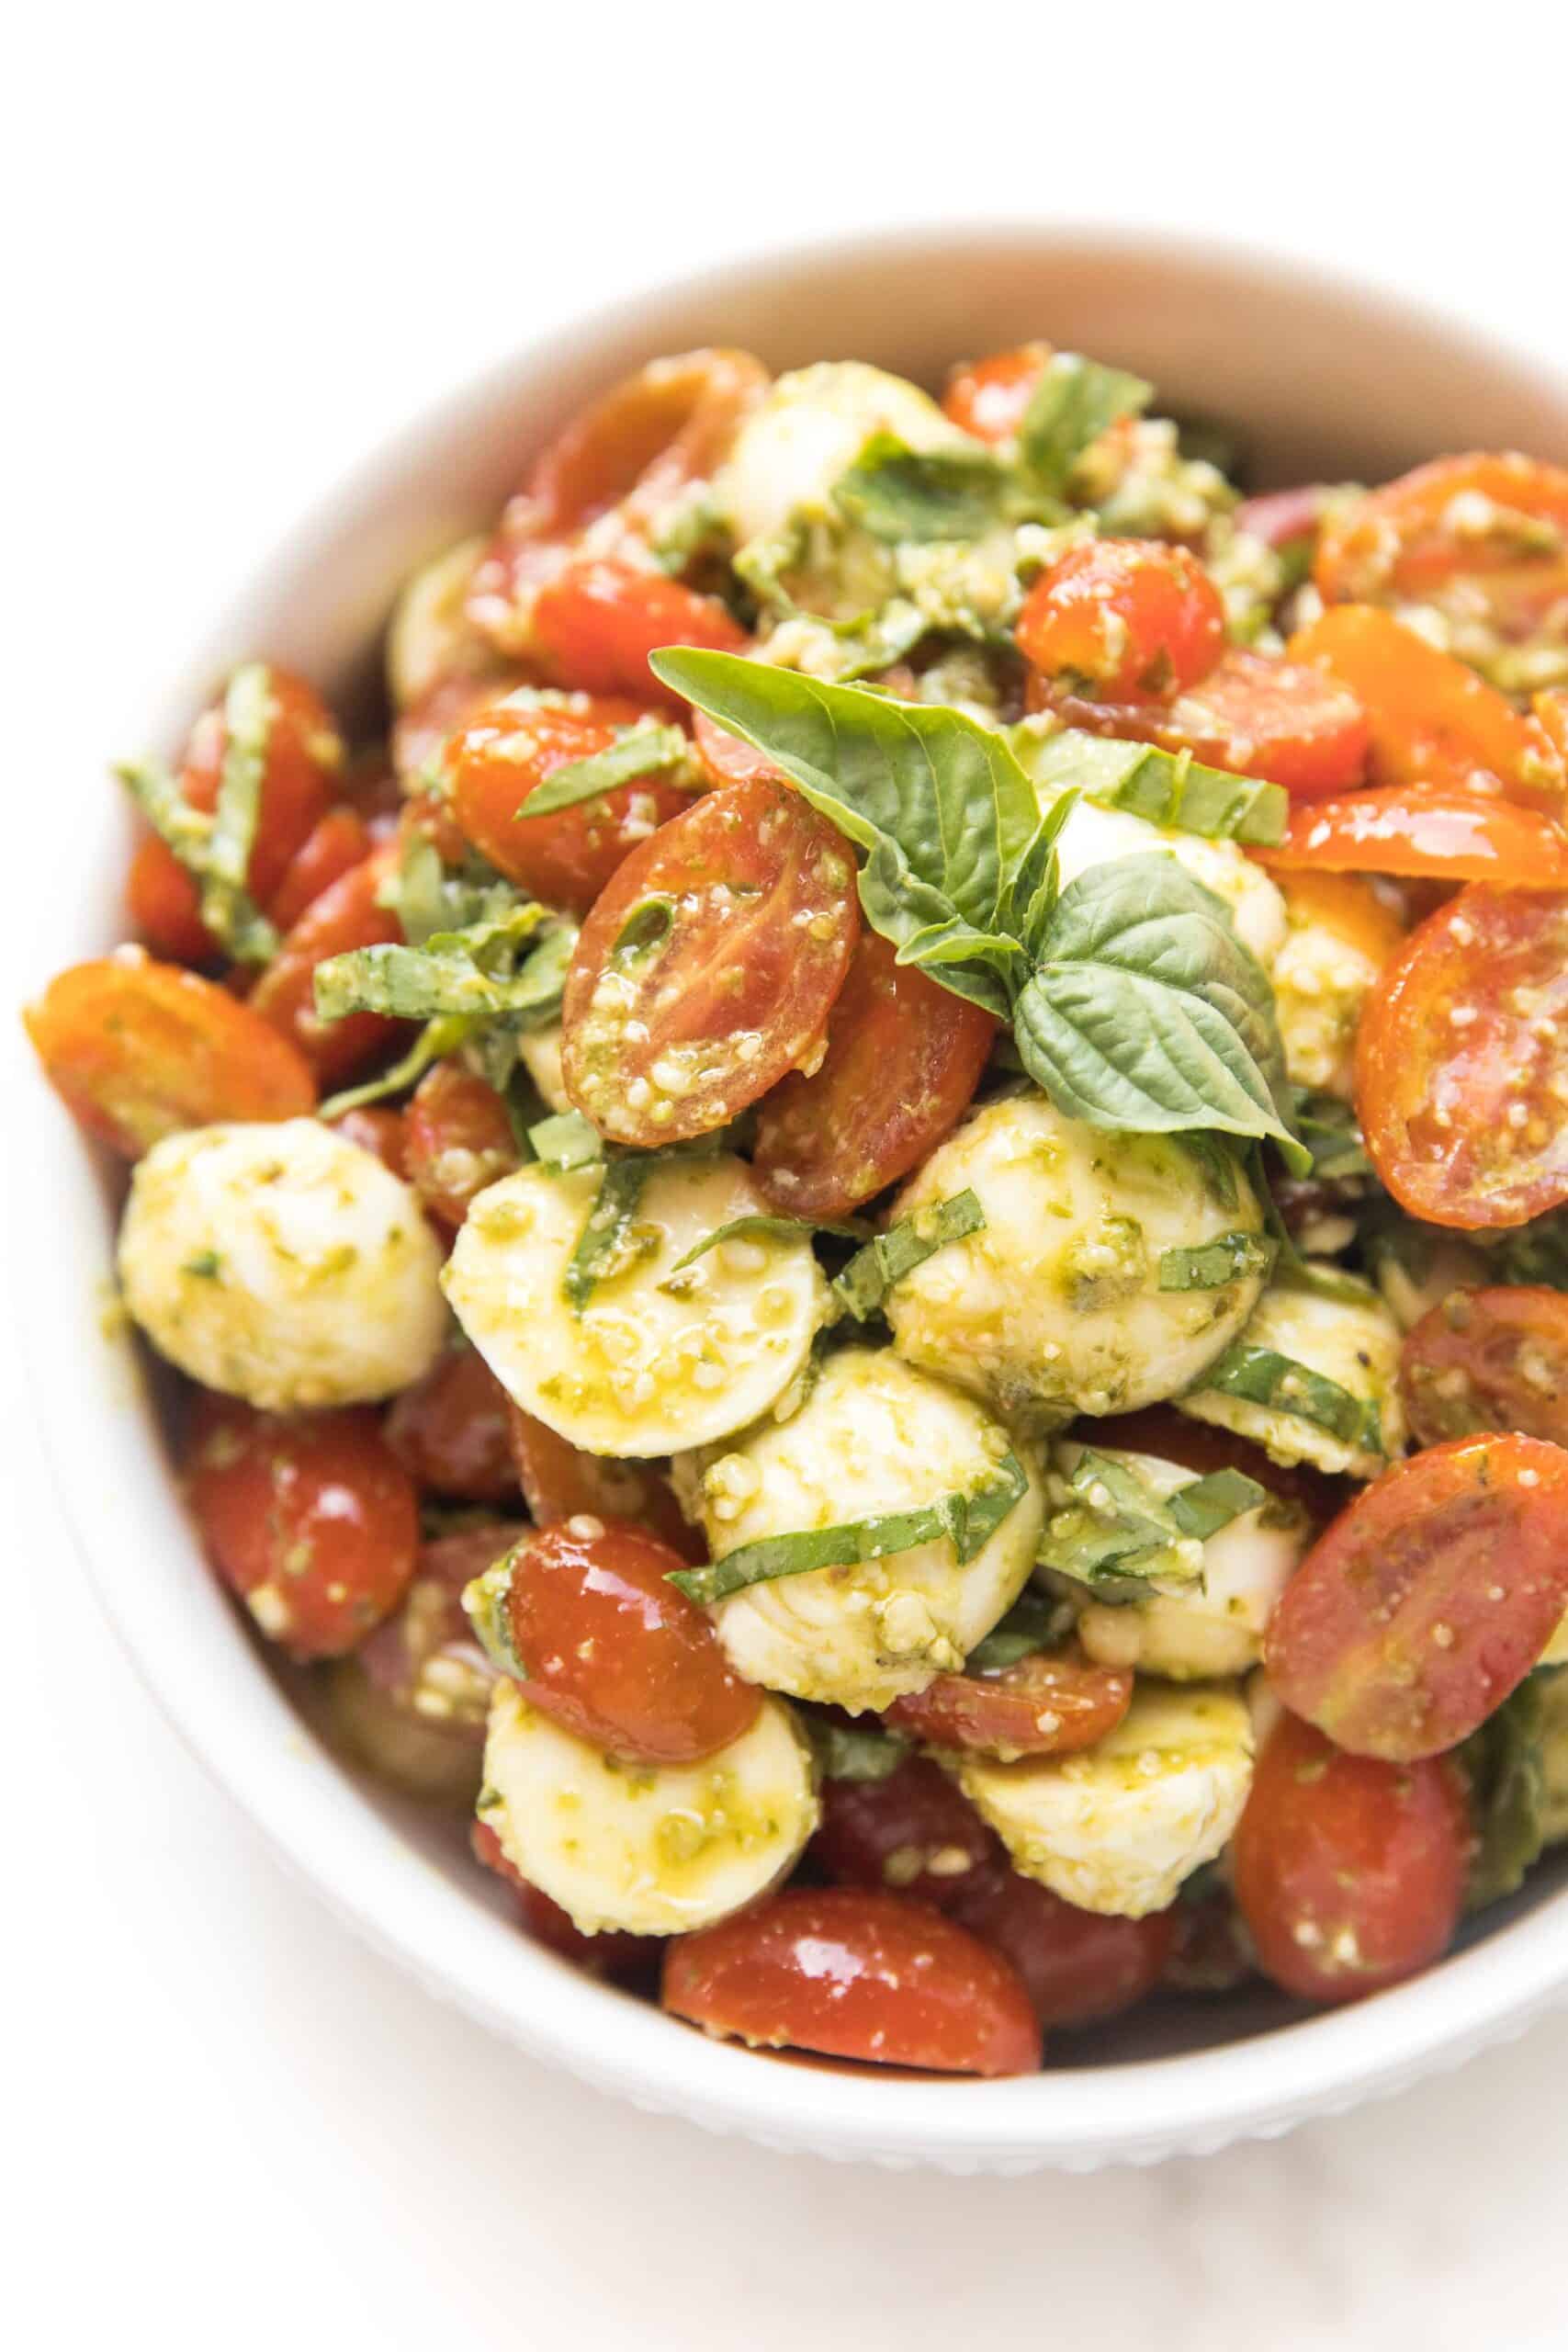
303	757
377	1130
1489	1360
597	622
1349	1873
1127	620
1429	1600
615	1653
138	1050
1481	534
559	1481
1046	1706
1414	829
904	1058
727	758
1252	715
164	906
612	1954
502	755
459	1139
345	916
336	842
708	967
855	1974
450	1431
312	1519
990	397
1077	1967
914	1831
1461	1061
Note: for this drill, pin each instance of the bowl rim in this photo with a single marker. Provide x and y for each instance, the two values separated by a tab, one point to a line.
240	1729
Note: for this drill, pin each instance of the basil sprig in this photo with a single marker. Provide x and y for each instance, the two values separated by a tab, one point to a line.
1263	1376
871	1274
968	1519
1118	1527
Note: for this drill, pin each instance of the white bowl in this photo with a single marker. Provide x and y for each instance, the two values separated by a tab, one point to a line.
1328	378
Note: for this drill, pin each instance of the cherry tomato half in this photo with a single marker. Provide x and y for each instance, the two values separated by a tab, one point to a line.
1077	1967
1129	620
709	965
855	1974
1422	829
458	1139
1046	1706
990	397
1429	1600
727	758
914	1831
1461	1061
559	1481
344	917
1349	1873
612	1954
1489	1360
311	1520
335	842
597	622
616	1653
164	902
376	1129
138	1050
904	1058
1484	530
450	1431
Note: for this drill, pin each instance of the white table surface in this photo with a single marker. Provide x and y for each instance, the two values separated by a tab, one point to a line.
249	244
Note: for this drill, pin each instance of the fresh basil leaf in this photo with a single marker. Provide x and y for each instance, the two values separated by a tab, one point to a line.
435	1041
760	1228
228	912
566	1141
967	1521
484	1604
637	751
1263	1376
1212	1502
1215	1263
871	1274
1033	1623
1504	1767
1169	789
1075	402
602	1245
901	494
854	1751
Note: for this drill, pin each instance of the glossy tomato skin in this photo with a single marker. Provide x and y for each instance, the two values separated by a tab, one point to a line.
1349	1873
1403	543
1123	621
914	1832
304	757
709	965
559	1481
506	751
311	1520
344	917
1460	1059
164	906
1411	830
1077	1967
138	1050
904	1058
1429	1600
615	1653
376	1129
990	397
458	1140
1489	1360
853	1973
597	622
450	1431
612	1954
336	843
1047	1705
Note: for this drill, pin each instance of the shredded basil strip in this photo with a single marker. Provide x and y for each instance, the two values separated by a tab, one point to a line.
1215	1263
1075	402
1033	1623
761	1228
853	1752
637	751
247	731
1328	1128
484	1604
1117	1526
435	1042
1169	789
474	973
1504	1767
603	1240
871	1274
1263	1376
968	1520
228	911
565	1141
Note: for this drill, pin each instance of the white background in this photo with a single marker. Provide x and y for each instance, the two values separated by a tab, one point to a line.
243	244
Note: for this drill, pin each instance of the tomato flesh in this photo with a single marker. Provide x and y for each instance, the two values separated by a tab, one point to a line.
1251	715
853	1973
614	1953
312	1519
615	1653
138	1050
1350	1872
338	842
904	1058
558	1481
1077	1967
914	1831
729	758
1450	835
344	917
1123	620
1489	1360
459	1139
708	967
450	1431
1486	529
597	622
1046	1705
1429	1600
990	397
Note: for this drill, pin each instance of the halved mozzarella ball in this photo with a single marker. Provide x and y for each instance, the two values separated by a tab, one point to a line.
1096	836
1339	938
1118	1826
655	1359
1055	1306
1352	1342
430	636
539	1053
807	433
873	1436
283	1264
656	1850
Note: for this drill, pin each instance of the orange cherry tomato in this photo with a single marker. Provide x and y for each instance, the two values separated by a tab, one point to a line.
914	1831
1485	531
1129	620
615	1653
138	1050
708	967
1429	1600
990	397
1046	1706
1077	1967
304	756
612	1953
458	1139
423	1660
344	917
450	1434
1412	830
1251	715
502	757
559	1481
379	1130
727	758
904	1058
597	622
164	905
1349	1873
311	1520
1489	1360
1462	1060
1170	1436
854	1973
420	732
335	842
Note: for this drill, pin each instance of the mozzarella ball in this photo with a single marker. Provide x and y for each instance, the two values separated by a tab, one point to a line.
283	1264
655	1359
1118	1826
1354	1344
808	431
539	1053
873	1436
1055	1306
430	637
1339	938
1096	836
656	1850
